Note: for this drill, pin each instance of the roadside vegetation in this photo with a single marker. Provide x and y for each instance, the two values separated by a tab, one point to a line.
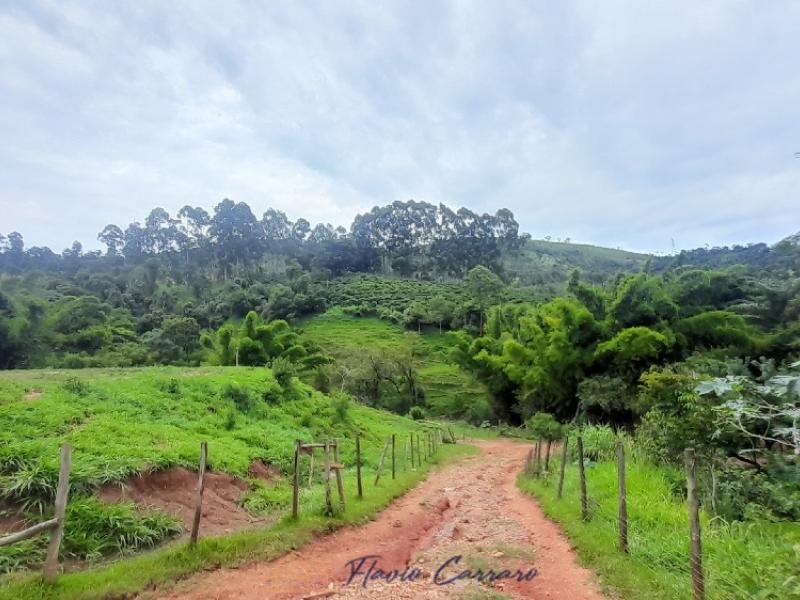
741	559
122	423
163	567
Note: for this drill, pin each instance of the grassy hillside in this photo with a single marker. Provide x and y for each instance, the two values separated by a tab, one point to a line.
125	422
544	262
448	389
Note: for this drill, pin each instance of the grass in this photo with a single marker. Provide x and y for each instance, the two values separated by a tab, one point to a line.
741	560
449	390
161	568
123	422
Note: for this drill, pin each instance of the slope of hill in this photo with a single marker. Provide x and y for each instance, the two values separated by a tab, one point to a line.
545	262
126	423
446	388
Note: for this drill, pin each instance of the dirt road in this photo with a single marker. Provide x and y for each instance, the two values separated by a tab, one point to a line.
470	509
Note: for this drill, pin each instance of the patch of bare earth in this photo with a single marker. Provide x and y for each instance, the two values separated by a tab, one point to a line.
174	491
471	509
32	394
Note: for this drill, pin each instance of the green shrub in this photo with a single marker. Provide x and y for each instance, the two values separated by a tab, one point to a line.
283	371
341	404
599	443
240	396
230	419
416	413
75	386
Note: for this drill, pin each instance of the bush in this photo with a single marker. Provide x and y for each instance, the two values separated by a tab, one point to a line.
599	443
416	413
544	426
240	396
283	371
753	495
75	386
341	403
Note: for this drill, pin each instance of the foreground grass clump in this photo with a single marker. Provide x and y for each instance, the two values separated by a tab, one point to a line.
741	560
164	566
122	422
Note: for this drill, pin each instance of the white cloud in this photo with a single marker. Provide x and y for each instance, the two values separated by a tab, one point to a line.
617	122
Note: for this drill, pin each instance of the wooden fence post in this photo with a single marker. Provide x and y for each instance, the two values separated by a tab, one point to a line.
405	455
623	498
296	482
310	467
383	457
394	465
528	460
339	467
327	458
50	570
358	466
582	473
563	466
547	456
411	439
538	468
201	485
698	585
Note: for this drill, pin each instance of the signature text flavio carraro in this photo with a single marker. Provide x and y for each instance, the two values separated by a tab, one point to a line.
365	569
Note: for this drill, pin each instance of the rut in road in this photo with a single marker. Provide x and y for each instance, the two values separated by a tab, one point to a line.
471	508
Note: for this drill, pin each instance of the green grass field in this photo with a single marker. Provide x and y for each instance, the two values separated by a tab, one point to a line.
448	388
122	422
744	561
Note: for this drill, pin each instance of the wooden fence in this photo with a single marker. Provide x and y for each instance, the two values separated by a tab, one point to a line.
55	525
417	447
422	446
533	467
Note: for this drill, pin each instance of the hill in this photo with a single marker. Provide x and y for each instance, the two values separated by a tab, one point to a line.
128	426
445	388
538	262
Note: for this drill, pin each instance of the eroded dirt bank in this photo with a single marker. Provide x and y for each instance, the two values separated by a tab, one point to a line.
470	509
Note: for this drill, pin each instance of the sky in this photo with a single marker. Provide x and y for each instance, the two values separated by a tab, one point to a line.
642	125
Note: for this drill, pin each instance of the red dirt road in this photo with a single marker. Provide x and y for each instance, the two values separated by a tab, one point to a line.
470	509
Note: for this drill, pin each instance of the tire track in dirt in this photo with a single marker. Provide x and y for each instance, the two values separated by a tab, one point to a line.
470	509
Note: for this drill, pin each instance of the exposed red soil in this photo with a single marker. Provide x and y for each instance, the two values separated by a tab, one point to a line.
11	524
174	492
472	508
32	394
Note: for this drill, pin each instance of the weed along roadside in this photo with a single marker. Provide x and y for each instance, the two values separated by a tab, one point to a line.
641	529
312	513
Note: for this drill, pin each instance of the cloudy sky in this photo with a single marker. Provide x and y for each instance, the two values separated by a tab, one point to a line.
620	123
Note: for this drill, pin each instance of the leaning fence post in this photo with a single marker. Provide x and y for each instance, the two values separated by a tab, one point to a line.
201	484
296	482
582	473
62	492
394	464
383	457
623	498
563	466
698	585
538	469
358	466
